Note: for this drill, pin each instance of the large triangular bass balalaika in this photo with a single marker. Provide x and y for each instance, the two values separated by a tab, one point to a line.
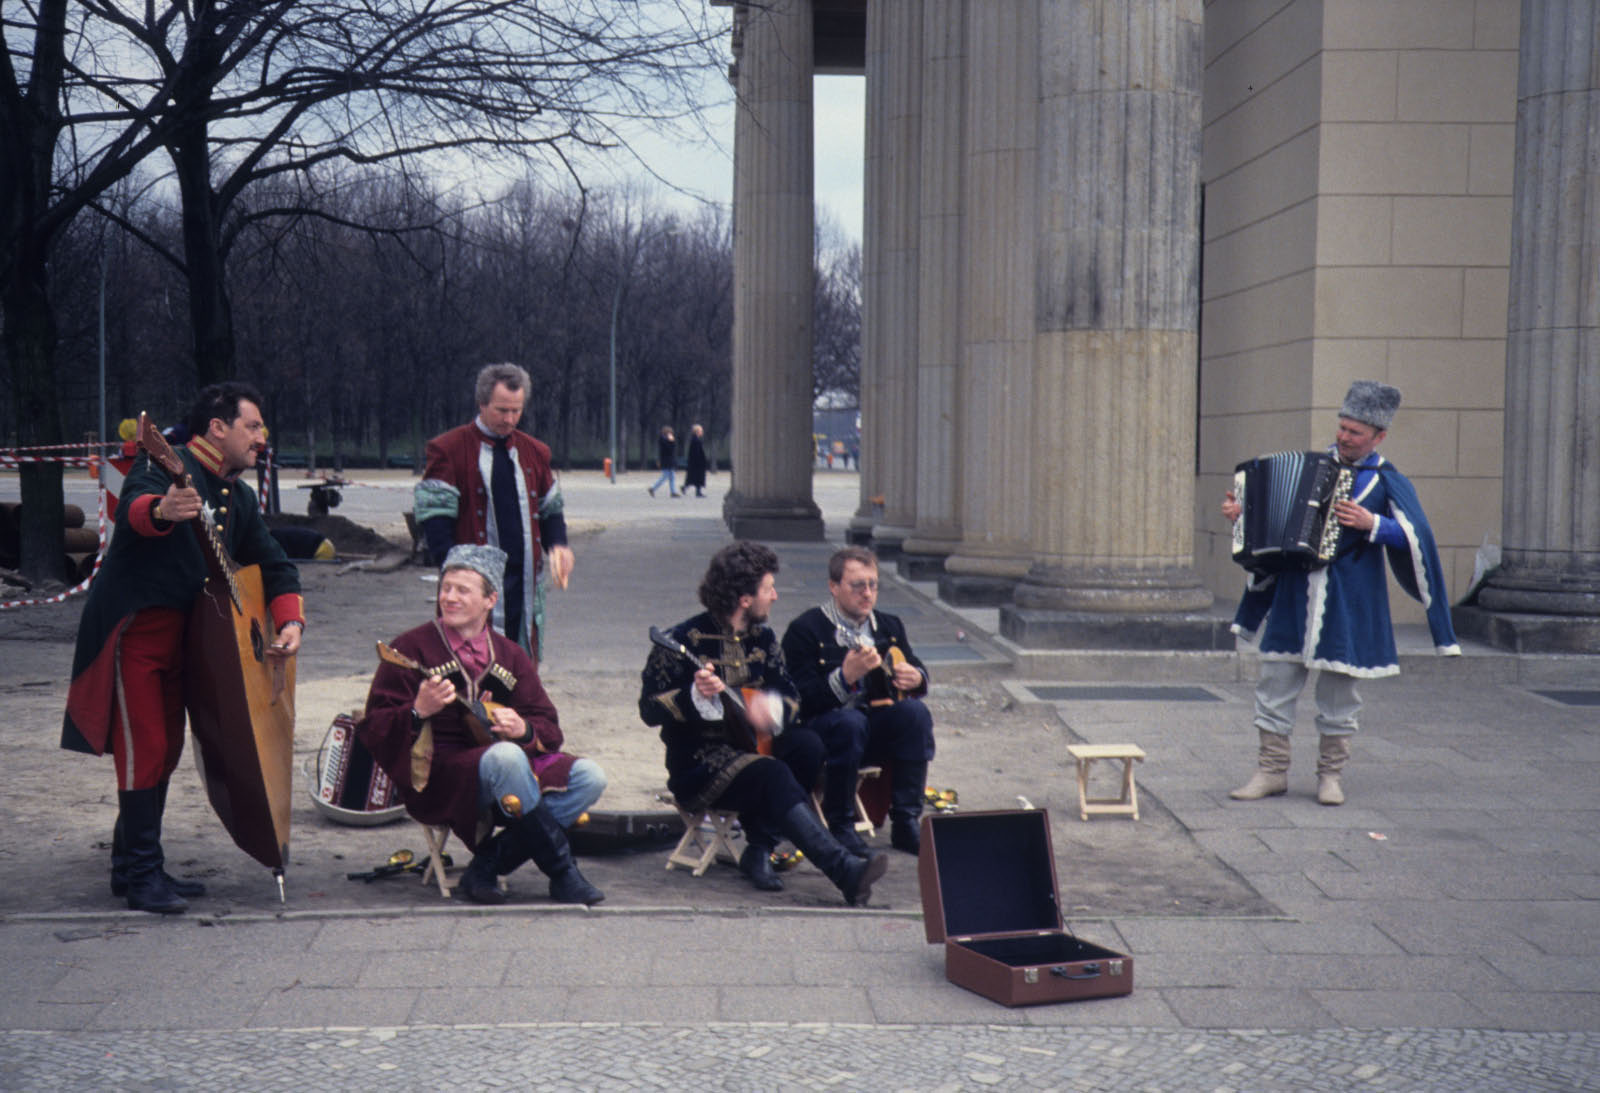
239	697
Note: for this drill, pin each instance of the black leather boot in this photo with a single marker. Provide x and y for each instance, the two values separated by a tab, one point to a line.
839	807
541	838
755	861
480	881
853	876
188	889
147	887
906	787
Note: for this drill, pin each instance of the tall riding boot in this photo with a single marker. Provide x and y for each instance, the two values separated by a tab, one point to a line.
495	856
1271	778
755	861
147	887
853	876
907	787
1332	754
188	889
839	806
539	836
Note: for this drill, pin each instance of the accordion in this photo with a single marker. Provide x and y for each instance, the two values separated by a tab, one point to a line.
349	787
1286	518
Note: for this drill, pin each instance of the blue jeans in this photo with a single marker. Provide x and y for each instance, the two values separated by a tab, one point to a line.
666	476
504	769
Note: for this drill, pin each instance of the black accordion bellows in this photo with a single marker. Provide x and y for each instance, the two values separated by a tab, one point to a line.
1286	519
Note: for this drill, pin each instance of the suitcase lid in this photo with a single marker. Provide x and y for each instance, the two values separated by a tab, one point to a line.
987	873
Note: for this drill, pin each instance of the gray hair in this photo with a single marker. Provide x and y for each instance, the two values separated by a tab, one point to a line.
514	376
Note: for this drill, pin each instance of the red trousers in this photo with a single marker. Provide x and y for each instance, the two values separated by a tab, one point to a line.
147	721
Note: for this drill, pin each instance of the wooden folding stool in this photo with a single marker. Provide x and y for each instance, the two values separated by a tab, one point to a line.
1127	804
707	837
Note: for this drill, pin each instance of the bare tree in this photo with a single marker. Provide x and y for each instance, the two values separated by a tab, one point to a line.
464	85
243	92
58	78
836	325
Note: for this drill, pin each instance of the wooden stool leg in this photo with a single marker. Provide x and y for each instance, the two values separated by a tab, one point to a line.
436	837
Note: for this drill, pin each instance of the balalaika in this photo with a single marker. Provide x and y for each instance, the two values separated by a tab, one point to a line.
1286	518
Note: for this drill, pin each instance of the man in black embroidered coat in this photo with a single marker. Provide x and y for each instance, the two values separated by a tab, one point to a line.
860	691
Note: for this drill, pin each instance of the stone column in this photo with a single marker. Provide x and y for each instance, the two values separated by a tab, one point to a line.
999	227
770	494
889	275
1546	595
939	452
1118	343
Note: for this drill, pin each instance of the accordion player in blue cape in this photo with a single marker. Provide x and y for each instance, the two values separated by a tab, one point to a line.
1336	619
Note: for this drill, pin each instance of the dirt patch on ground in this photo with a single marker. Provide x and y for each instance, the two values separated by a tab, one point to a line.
348	537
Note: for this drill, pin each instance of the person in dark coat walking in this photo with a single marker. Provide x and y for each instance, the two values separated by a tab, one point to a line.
666	458
695	474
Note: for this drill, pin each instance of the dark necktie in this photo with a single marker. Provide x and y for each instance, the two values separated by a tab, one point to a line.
508	507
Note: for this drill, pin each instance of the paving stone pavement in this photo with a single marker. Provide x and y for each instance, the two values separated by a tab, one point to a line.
1439	932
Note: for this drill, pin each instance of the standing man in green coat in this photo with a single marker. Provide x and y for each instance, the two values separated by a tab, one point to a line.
128	672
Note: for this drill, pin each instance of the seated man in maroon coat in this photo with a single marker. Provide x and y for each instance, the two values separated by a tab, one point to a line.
472	739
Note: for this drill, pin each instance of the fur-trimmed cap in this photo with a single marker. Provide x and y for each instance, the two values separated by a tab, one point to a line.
1371	403
487	560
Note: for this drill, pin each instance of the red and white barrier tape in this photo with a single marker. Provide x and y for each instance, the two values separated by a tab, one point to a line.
10	459
82	586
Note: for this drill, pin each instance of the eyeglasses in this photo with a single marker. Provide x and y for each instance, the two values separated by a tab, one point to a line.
859	587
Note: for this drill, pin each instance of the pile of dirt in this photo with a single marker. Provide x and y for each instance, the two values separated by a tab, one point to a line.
347	536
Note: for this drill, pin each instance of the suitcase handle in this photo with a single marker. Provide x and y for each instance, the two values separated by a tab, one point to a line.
1090	971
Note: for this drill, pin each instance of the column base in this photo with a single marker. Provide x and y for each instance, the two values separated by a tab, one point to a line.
1043	628
1125	590
772	519
859	531
916	566
973	590
981	580
888	541
1525	632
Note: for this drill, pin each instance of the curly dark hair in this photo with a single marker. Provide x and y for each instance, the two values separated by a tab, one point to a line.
735	570
220	400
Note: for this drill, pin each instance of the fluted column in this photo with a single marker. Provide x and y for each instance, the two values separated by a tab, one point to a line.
998	233
937	533
889	274
1546	595
1118	319
770	495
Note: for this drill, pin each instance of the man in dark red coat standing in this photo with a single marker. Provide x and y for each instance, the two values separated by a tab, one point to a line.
487	482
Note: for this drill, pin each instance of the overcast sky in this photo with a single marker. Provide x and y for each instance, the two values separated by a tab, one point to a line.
840	128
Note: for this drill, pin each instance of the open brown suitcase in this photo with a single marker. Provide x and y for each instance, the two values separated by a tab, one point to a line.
989	893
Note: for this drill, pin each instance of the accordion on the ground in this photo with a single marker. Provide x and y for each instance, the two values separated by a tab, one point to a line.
349	787
1286	518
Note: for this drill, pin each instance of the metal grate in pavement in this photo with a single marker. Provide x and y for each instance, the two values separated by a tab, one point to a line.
1119	693
1572	698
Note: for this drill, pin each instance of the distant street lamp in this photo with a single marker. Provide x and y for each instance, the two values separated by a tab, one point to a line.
616	306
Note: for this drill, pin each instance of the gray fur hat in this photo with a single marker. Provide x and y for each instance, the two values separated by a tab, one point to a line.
487	560
1371	403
